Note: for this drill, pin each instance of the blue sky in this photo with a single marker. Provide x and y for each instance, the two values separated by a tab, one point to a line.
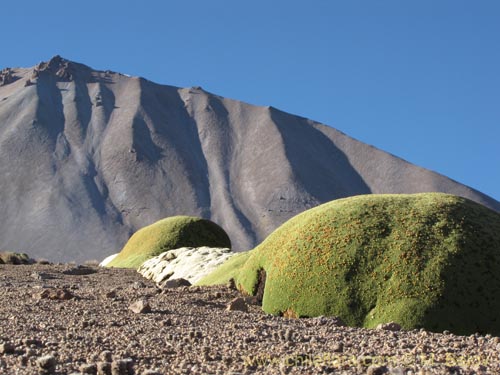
419	79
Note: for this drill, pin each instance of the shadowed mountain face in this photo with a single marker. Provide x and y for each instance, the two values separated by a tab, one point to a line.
88	157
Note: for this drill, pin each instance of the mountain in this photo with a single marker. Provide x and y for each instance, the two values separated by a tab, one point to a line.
88	157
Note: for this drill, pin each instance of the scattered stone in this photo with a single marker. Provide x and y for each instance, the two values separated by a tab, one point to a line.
90	369
252	300
41	276
338	347
80	270
479	369
140	307
331	320
119	367
175	283
336	321
129	364
47	364
32	342
111	294
103	368
7	348
36	276
56	294
377	370
106	356
237	304
23	360
138	285
392	326
288	335
167	322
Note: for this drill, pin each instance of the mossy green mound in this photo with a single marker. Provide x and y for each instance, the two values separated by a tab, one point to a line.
424	260
8	257
170	233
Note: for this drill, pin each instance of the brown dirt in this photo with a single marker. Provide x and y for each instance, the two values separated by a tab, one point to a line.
85	321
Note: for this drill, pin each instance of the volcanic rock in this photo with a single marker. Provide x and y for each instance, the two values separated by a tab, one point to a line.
187	263
47	364
90	369
237	304
141	306
56	294
174	283
7	348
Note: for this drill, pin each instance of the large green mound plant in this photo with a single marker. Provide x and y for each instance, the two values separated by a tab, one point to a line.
170	233
427	260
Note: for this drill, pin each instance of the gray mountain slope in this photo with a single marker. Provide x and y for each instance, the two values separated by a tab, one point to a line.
88	157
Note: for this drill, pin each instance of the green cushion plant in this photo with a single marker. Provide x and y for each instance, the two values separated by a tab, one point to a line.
427	260
167	234
8	257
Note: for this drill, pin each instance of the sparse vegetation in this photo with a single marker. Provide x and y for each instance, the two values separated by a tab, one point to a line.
427	260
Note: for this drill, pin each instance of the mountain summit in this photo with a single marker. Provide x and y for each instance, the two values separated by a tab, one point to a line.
88	157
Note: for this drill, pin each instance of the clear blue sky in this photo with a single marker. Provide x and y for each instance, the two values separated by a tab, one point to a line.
419	79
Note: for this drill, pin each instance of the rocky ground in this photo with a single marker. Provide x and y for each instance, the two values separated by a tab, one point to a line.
62	319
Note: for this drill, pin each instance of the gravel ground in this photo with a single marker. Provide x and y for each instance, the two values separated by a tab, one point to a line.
55	319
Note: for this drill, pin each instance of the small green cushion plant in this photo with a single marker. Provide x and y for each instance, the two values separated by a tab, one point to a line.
167	234
8	257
